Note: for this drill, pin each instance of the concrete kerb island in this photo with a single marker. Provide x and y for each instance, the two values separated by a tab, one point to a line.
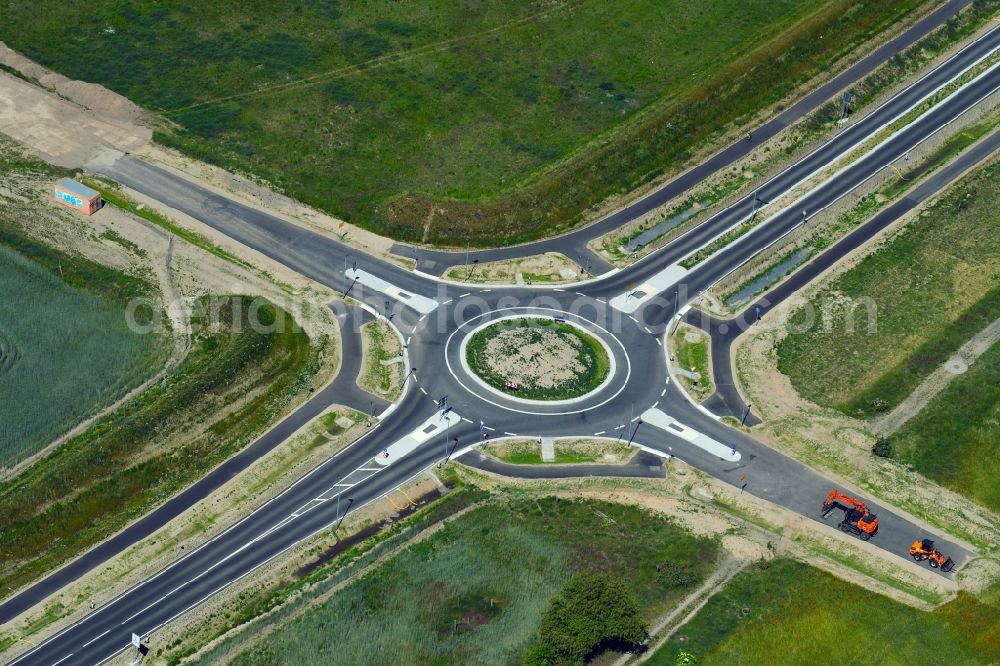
617	376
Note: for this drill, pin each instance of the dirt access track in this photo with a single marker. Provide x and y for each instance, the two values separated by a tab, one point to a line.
68	123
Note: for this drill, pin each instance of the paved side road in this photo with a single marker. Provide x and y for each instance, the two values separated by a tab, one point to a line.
574	244
727	401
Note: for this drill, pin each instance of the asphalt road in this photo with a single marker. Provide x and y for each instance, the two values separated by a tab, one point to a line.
727	401
640	381
574	244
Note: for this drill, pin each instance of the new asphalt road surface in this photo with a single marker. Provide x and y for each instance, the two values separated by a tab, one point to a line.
445	412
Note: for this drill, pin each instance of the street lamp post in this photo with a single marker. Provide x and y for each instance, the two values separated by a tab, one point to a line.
350	501
403	383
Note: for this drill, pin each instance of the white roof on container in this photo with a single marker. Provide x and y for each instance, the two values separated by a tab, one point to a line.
77	188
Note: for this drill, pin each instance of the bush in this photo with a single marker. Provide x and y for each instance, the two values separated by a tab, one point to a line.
593	610
882	448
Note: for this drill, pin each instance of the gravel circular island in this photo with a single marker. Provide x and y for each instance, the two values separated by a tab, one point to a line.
544	358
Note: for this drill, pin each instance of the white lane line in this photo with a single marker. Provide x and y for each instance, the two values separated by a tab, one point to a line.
486	291
424	390
599	433
350	485
486	427
602	300
658	342
408	340
63	659
465	294
663	392
447	302
424	316
512	434
466	420
95	638
655	404
367	469
580	293
647	330
557	289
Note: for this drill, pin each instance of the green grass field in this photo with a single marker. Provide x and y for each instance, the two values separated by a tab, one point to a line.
502	121
956	439
233	383
930	289
785	612
66	350
474	592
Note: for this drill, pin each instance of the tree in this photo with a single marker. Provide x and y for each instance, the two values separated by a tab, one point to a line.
591	611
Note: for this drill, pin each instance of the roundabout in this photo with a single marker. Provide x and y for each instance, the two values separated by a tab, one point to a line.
561	363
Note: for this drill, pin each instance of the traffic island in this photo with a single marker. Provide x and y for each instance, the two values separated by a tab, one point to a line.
537	358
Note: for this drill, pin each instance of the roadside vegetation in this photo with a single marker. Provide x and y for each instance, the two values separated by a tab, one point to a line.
786	612
383	370
323	101
954	440
866	340
477	590
238	376
66	349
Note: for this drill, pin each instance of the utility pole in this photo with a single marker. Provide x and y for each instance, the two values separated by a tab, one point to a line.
468	273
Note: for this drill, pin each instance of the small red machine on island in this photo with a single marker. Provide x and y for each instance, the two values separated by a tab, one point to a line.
858	520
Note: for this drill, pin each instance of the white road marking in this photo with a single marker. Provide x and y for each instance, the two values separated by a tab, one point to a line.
647	330
63	659
448	301
557	289
599	433
672	426
466	420
95	638
432	427
658	342
415	301
465	294
408	340
512	434
633	299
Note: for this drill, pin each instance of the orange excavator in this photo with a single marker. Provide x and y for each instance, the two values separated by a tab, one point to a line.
858	520
925	550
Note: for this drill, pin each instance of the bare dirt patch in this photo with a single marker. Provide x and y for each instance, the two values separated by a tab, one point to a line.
543	358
